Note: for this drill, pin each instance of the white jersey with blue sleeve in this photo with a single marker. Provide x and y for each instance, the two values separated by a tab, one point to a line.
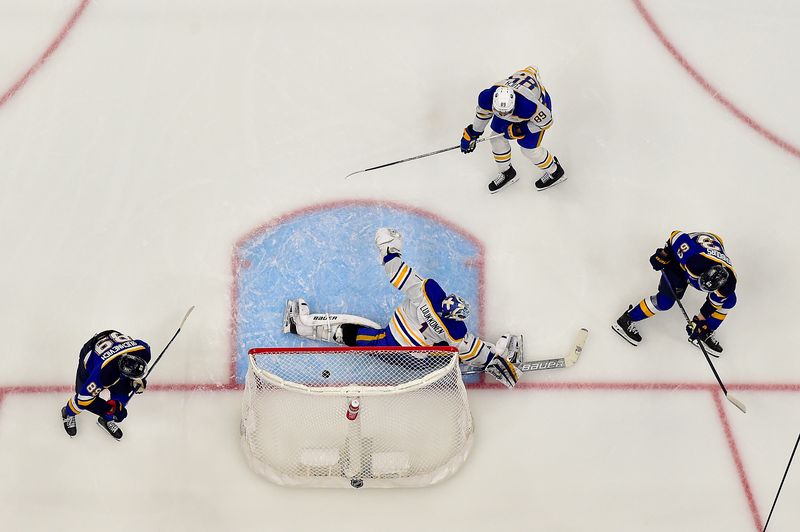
417	322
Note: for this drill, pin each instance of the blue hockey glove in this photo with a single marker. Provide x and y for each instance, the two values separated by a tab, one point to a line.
698	329
116	410
660	259
469	139
516	131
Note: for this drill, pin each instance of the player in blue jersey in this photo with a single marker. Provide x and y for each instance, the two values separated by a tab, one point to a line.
427	317
109	361
519	107
688	259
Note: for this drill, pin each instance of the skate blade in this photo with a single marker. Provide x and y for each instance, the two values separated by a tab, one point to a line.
710	351
563	178
513	180
617	329
105	431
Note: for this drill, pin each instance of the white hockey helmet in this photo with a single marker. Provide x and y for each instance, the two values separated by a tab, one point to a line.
503	101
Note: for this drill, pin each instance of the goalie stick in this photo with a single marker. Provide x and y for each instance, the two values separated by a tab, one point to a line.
570	359
419	156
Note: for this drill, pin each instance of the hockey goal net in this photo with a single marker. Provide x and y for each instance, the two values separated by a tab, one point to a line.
341	417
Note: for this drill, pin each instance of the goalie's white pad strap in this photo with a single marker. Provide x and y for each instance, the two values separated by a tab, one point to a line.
315	320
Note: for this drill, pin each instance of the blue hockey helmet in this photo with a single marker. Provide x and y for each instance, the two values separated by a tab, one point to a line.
454	307
713	278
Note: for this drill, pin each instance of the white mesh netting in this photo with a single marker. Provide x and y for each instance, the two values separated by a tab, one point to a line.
413	427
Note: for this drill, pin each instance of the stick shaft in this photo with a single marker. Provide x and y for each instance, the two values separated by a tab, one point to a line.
738	404
437	152
185	316
782	481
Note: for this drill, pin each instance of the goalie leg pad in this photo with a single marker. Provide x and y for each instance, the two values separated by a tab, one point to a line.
504	371
324	327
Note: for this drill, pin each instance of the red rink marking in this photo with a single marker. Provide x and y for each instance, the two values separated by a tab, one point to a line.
709	88
73	19
737	459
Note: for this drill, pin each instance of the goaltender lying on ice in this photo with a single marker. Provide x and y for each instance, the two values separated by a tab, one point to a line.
427	317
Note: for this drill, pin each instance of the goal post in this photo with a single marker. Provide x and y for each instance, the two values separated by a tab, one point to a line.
352	417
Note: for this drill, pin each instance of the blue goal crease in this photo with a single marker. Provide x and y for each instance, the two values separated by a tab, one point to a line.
328	257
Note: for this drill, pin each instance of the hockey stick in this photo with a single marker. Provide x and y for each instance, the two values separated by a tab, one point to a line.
185	316
419	156
570	359
782	481
737	403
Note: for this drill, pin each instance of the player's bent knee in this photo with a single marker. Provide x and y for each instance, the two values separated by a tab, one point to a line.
664	302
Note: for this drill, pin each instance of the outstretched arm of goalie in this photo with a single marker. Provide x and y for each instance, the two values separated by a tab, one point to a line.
570	359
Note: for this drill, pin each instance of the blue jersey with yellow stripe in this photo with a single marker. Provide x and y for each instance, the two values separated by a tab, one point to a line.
98	368
696	253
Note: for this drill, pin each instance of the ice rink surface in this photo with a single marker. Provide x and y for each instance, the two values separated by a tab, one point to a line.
142	140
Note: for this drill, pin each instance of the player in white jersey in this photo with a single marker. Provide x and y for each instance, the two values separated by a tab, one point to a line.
520	109
427	317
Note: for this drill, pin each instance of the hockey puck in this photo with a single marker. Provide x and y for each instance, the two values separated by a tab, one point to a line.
356	482
325	373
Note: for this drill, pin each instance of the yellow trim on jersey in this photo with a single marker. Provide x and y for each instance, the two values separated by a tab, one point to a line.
129	350
645	309
369	338
530	70
412	332
401	276
718	316
715	259
476	348
394	326
436	316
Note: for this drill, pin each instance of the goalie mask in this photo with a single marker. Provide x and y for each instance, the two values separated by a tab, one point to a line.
455	308
713	278
132	366
503	101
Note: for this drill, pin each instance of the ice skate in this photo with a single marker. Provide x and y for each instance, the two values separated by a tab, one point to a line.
626	328
551	180
110	427
70	423
503	179
711	344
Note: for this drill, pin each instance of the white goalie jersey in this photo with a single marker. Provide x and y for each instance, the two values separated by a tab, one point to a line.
417	321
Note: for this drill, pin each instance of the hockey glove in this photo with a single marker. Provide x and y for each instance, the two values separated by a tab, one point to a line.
388	241
469	139
502	370
660	259
116	410
516	131
138	385
698	330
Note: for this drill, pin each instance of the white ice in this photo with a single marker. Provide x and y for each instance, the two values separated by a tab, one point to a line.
159	133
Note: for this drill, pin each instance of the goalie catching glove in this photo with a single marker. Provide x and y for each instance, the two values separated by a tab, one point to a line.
388	241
